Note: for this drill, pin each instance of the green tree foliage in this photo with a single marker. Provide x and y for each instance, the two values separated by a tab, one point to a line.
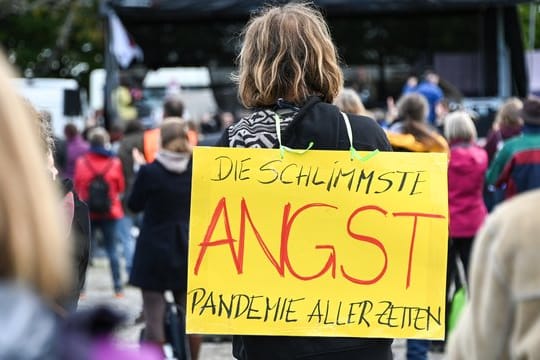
525	14
45	38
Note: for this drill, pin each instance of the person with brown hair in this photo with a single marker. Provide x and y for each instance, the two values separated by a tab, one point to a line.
411	132
75	147
507	124
162	189
289	74
516	167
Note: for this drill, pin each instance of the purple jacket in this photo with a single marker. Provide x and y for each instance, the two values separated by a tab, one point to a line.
74	148
466	171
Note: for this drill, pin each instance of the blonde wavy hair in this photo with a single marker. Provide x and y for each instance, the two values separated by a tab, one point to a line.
508	114
33	250
287	52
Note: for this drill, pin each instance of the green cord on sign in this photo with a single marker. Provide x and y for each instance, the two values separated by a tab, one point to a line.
283	148
357	156
354	153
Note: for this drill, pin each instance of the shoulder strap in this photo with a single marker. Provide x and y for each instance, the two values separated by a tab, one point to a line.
461	273
107	167
348	126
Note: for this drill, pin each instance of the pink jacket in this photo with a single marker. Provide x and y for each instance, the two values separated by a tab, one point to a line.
466	171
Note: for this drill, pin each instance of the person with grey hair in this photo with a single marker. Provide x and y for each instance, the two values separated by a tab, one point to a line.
466	171
99	182
467	210
349	102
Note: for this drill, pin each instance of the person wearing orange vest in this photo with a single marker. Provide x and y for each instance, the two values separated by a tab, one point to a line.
173	107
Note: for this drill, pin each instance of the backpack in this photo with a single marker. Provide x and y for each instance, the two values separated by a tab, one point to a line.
99	201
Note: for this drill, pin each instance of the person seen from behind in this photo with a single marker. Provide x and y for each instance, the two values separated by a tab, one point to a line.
467	210
348	101
289	70
412	133
133	139
162	189
99	181
172	107
516	167
430	89
76	146
466	170
507	125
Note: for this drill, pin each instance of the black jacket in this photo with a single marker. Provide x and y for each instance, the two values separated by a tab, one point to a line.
160	259
80	233
322	124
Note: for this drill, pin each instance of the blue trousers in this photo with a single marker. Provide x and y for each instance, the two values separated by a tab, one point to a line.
126	239
108	230
417	349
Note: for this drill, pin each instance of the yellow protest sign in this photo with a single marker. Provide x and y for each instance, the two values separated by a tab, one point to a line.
317	244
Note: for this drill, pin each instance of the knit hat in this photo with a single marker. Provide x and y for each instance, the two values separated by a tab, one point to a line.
530	113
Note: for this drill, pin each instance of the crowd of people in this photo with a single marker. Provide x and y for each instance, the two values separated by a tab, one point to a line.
129	190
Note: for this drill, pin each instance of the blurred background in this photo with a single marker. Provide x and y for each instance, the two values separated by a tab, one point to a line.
484	51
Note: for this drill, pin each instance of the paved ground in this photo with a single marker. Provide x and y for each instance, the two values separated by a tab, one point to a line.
99	291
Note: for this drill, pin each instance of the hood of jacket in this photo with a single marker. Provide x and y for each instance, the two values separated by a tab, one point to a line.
316	123
99	150
28	327
258	130
173	161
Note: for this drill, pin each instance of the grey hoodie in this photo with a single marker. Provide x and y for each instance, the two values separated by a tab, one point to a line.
27	326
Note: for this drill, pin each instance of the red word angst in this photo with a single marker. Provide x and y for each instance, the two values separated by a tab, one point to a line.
282	263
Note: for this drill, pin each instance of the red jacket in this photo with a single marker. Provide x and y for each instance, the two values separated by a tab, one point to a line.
114	177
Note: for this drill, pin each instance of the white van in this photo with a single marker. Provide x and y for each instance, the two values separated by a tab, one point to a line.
60	97
192	83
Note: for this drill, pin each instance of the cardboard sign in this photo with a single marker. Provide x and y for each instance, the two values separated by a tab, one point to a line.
317	244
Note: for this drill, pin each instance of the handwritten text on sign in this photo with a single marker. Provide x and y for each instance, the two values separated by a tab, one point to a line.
317	244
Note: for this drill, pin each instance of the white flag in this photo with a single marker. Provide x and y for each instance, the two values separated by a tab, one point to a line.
122	46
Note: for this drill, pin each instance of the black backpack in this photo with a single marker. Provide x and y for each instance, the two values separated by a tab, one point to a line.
99	201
